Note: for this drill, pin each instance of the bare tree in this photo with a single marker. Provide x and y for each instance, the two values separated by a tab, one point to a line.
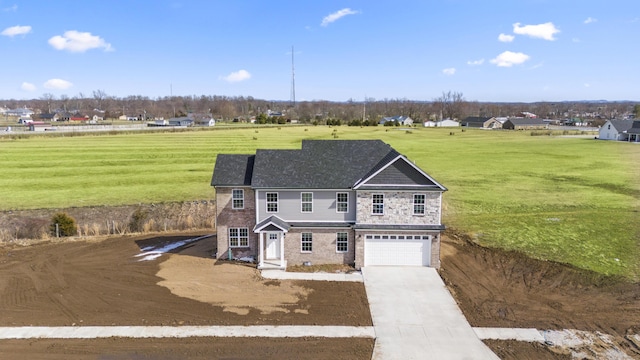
99	96
450	104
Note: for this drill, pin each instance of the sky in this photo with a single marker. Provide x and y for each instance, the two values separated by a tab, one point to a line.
488	50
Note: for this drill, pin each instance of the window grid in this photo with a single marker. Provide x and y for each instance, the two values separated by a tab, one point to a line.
272	202
342	202
238	237
306	243
342	242
419	201
237	196
307	202
378	204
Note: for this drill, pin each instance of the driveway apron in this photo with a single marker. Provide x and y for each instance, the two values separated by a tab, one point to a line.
415	317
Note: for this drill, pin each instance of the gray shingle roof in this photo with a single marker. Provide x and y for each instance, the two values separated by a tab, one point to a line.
233	170
526	121
621	125
321	164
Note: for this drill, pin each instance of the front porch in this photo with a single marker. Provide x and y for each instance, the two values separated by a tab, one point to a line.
271	234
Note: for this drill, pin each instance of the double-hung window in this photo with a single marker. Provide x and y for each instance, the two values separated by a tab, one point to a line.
272	202
342	242
342	202
306	202
419	201
237	199
306	242
378	204
238	237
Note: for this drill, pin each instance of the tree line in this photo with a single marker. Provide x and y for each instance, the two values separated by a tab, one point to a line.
450	104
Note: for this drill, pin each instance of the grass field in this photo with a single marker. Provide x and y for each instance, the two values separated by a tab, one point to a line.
573	200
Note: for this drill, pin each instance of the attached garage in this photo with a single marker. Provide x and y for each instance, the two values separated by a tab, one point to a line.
404	250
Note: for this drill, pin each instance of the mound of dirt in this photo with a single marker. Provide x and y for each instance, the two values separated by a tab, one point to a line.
497	288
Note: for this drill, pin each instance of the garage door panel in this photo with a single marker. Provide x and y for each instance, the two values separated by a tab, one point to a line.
378	251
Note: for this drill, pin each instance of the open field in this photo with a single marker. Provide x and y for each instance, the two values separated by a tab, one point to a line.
573	200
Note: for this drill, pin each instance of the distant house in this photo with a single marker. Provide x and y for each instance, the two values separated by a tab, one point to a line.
205	122
633	134
402	120
524	124
20	112
442	123
181	121
47	117
615	130
481	122
40	126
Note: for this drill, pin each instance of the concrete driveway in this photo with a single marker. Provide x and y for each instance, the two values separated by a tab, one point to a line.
415	317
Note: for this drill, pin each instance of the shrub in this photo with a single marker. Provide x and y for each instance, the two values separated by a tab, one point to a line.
66	225
136	222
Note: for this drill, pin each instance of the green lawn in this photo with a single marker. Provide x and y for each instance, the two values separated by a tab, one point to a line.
573	200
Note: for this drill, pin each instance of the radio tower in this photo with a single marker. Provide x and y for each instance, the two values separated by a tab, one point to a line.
293	81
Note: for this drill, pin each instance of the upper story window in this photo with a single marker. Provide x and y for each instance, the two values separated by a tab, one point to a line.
272	202
342	202
419	201
378	204
307	202
237	199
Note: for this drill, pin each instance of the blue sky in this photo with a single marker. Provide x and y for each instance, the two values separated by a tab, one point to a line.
489	50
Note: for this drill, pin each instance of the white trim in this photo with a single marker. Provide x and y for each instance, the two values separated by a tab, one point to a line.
338	202
302	202
413	204
266	202
233	204
347	241
302	242
373	204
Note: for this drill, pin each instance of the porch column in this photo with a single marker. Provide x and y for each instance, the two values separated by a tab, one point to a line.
282	249
261	247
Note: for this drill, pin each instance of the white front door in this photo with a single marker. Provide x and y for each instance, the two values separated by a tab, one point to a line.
273	245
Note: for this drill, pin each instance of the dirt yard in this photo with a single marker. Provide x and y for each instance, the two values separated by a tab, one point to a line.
78	283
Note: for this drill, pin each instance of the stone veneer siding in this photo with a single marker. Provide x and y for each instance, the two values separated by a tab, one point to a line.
323	247
227	217
398	208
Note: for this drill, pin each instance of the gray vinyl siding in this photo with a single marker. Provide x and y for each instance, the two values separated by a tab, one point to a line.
290	208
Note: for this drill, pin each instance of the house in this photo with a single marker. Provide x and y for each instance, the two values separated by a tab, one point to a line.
205	122
40	126
402	120
181	121
524	124
47	117
615	130
356	202
481	122
442	123
633	134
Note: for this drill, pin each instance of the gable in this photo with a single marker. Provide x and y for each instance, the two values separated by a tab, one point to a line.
400	173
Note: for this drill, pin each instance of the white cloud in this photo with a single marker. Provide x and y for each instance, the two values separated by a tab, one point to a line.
57	84
449	71
16	30
475	62
506	38
13	8
75	41
237	76
587	85
28	86
337	15
590	20
541	31
508	59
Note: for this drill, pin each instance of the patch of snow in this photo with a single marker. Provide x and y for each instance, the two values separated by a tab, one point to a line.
151	253
248	259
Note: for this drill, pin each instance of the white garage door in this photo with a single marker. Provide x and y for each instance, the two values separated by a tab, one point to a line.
414	250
